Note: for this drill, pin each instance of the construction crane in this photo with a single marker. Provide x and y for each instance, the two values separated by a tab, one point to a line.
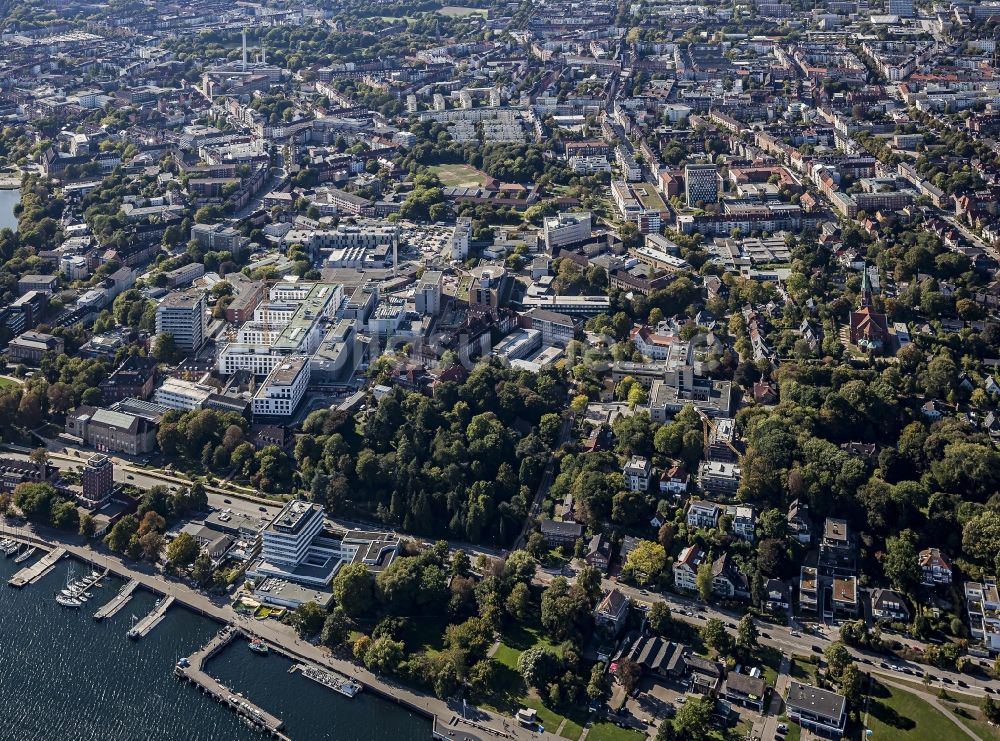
706	425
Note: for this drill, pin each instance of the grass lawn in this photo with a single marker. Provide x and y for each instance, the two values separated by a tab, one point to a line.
802	670
462	12
770	661
977	724
794	731
611	732
7	383
509	692
459	176
898	715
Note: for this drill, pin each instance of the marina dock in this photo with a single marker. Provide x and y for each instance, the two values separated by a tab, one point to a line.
31	574
330	679
192	670
142	628
117	602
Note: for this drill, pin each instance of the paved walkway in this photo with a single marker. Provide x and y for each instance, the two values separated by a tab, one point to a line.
484	723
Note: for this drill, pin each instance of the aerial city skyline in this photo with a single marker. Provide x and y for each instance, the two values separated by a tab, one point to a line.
552	369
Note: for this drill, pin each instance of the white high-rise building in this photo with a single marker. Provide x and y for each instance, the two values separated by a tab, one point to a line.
461	238
183	315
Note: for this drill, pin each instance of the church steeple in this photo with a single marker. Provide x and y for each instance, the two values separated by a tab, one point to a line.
866	287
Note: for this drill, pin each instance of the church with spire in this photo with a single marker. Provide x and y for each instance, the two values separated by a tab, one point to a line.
869	329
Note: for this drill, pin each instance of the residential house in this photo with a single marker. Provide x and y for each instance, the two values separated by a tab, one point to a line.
686	568
716	477
675	481
746	691
845	595
727	580
637	473
889	605
703	515
659	656
809	590
935	567
819	710
932	410
982	602
744	522
598	552
836	550
629	544
799	521
778	596
612	611
560	532
764	393
706	675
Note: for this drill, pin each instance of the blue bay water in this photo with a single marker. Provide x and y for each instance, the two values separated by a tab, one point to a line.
66	677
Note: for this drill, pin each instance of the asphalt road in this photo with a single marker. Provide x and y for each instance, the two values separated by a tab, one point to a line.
806	643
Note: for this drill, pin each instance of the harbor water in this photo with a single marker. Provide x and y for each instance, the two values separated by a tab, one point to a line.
67	677
8	200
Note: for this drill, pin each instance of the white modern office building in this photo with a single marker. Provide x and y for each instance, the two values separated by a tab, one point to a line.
299	558
187	396
566	229
280	393
291	322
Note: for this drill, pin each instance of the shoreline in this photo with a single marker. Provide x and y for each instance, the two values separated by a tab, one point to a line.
426	706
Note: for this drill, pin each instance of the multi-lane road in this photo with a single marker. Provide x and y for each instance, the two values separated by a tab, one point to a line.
799	641
790	640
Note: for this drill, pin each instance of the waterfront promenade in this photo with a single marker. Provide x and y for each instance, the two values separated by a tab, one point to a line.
478	723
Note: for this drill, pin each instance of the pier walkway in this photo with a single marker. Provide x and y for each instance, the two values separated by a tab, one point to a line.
195	673
142	628
31	574
118	601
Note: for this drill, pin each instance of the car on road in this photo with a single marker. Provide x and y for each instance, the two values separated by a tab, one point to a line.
129	476
262	509
816	649
681	700
962	683
782	728
764	635
989	689
228	501
795	634
643	591
689	613
947	680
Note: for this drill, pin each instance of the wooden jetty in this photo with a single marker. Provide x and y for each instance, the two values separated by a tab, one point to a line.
31	574
193	670
142	628
118	601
